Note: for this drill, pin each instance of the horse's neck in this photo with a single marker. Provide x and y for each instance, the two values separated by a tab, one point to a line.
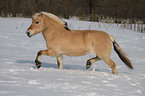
53	31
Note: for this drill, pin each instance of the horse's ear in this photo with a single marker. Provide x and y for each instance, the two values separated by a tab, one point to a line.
41	14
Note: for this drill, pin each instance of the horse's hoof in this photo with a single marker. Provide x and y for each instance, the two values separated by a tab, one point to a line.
38	64
88	65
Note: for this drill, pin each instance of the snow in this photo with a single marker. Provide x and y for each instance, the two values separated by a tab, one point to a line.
20	77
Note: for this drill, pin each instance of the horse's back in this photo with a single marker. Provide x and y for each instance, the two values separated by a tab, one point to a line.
95	35
99	41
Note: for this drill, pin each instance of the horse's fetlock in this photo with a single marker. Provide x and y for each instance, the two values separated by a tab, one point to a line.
38	62
115	71
60	67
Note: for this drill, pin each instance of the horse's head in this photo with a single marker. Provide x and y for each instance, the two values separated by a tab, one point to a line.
37	25
41	21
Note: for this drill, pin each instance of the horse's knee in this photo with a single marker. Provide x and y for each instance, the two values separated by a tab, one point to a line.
37	60
39	53
42	52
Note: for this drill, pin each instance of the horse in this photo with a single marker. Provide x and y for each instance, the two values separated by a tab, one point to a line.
60	40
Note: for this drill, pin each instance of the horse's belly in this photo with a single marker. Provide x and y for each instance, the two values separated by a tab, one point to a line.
76	52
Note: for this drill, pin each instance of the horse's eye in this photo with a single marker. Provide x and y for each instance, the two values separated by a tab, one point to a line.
37	22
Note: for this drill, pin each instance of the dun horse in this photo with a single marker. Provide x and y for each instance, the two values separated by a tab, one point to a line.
60	40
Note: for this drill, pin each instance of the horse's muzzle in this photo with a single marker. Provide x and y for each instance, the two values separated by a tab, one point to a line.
29	34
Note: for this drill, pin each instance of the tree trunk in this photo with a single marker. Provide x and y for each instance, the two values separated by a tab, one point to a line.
91	9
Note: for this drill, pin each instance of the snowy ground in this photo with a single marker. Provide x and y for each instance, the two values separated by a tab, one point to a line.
19	76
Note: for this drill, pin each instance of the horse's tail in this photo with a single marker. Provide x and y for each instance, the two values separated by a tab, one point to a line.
121	54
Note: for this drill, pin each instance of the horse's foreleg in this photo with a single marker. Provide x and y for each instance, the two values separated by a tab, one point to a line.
59	62
39	54
90	61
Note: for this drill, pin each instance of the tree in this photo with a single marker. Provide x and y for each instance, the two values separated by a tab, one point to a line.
91	4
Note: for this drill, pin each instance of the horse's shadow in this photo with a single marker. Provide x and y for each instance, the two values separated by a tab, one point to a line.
65	66
51	65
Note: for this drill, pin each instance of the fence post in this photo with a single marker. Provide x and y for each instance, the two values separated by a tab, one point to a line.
96	17
124	24
107	20
103	19
141	27
135	25
114	20
131	24
117	22
111	20
99	19
138	27
121	23
128	23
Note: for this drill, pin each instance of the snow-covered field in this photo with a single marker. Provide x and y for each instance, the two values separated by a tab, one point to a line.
19	76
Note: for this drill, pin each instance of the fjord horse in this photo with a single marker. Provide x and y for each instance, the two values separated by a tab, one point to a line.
60	40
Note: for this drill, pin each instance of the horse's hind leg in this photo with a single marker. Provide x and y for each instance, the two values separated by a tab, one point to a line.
39	54
90	61
111	64
59	62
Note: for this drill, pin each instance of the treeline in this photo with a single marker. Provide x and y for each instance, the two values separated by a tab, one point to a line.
127	9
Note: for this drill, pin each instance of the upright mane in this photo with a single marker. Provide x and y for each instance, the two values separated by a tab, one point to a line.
53	17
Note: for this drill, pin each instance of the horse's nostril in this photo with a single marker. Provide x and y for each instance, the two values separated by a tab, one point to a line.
28	34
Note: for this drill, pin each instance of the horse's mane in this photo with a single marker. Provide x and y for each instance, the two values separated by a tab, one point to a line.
54	17
50	15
